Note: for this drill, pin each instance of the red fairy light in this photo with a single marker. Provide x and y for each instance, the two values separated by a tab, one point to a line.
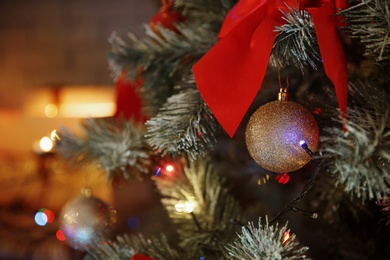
140	257
317	111
166	17
282	178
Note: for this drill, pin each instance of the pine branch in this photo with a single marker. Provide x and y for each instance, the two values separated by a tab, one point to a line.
201	207
183	124
369	21
118	149
385	203
296	42
206	6
126	246
291	205
164	56
266	242
359	157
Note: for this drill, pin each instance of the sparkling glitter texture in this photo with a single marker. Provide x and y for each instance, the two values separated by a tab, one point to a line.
85	219
274	132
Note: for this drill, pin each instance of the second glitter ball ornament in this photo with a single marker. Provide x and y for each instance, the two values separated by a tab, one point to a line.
275	134
86	219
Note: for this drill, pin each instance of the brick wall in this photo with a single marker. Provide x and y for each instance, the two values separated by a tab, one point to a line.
63	42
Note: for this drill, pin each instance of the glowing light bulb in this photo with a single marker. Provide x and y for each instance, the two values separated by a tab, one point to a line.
282	178
286	237
187	206
158	172
169	168
46	144
303	144
54	136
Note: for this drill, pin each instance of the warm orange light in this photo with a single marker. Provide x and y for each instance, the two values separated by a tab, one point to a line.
51	110
102	109
286	237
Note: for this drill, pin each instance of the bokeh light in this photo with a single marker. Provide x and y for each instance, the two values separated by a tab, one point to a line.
282	178
133	222
60	235
51	110
187	206
286	237
169	168
46	144
40	218
44	216
49	214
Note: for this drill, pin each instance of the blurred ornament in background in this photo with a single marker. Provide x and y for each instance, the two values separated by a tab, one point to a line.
166	18
128	101
275	132
86	219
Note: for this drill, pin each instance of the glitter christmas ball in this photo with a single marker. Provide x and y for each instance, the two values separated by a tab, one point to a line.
274	134
84	220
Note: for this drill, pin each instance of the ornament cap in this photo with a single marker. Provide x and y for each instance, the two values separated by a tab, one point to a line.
87	192
283	95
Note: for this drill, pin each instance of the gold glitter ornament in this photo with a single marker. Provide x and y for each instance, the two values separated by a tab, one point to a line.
274	134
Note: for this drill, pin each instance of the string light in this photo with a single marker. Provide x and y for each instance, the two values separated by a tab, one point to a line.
282	178
60	235
158	172
187	207
303	144
263	180
169	168
46	144
286	237
54	136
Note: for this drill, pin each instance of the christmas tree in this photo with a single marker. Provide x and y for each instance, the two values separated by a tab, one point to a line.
243	173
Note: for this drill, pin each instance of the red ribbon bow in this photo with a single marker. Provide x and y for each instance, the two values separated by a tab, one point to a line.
230	74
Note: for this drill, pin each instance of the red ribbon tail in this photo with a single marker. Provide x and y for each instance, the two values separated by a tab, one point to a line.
230	74
331	50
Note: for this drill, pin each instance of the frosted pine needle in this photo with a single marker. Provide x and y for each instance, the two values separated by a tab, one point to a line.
126	246
266	242
369	21
117	148
183	125
296	42
360	156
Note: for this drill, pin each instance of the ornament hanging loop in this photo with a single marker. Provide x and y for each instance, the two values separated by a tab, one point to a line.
283	95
